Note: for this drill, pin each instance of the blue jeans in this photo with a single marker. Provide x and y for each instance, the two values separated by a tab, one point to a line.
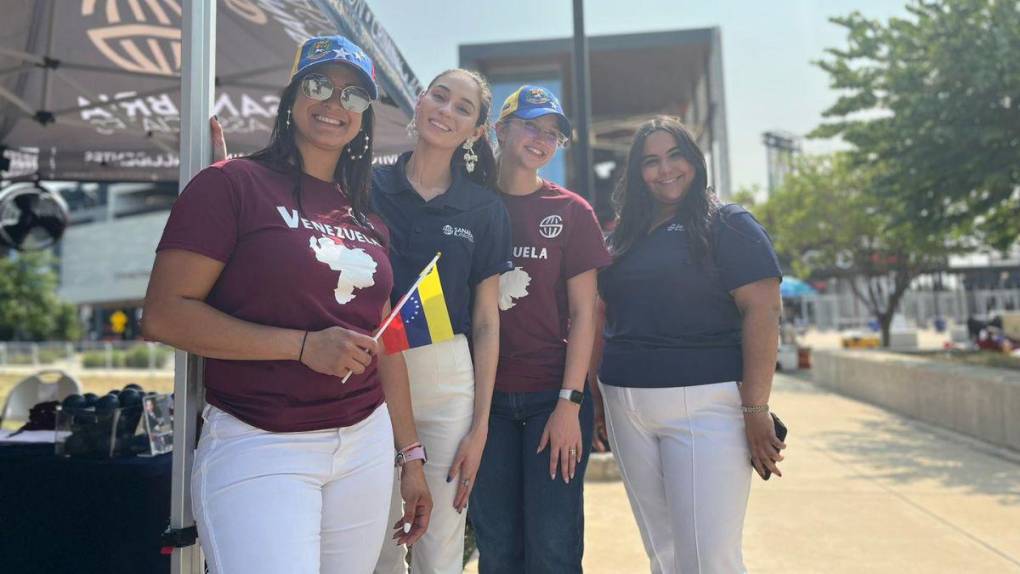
524	521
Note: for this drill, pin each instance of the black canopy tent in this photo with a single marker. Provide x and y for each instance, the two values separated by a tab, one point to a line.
120	90
90	89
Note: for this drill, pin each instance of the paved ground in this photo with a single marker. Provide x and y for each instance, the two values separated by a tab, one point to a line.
864	491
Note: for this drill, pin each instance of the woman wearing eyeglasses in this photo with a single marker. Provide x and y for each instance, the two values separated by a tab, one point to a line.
528	508
274	269
440	198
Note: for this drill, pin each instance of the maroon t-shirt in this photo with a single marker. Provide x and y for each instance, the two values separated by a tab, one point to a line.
555	237
308	270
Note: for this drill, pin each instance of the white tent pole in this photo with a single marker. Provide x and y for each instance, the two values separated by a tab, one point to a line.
50	41
198	71
25	56
9	96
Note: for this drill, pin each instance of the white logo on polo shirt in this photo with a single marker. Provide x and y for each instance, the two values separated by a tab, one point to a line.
675	227
513	285
550	227
459	232
357	268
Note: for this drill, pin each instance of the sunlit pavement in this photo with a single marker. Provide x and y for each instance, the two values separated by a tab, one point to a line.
864	490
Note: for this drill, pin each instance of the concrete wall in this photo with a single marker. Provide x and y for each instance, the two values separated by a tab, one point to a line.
981	402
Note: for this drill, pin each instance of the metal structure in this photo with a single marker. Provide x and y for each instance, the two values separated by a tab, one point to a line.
781	148
582	106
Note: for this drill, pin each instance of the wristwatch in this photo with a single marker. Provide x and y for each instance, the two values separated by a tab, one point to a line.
571	395
415	451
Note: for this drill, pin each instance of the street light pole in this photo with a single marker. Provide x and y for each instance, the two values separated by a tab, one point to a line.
582	108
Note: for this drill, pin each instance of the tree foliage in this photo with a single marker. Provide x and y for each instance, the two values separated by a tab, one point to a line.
828	221
931	106
29	306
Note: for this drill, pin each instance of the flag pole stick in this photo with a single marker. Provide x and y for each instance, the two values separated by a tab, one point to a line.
400	305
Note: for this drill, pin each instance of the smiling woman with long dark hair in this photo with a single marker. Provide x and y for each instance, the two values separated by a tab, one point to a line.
274	269
692	325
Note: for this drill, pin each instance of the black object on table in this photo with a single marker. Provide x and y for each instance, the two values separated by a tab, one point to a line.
75	515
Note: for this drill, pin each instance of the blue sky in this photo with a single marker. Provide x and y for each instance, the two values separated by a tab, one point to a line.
768	48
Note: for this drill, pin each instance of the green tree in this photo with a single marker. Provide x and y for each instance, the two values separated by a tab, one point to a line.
29	306
828	221
930	105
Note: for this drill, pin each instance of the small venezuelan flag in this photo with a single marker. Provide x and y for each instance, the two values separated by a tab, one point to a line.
421	317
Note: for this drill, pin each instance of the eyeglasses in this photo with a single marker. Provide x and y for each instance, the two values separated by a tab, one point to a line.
320	88
552	136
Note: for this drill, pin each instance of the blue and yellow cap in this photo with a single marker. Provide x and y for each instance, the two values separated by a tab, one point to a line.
338	50
530	102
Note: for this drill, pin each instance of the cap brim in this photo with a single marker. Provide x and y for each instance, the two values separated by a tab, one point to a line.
370	85
533	113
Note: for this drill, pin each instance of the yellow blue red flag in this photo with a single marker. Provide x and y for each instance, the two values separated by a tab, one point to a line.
421	317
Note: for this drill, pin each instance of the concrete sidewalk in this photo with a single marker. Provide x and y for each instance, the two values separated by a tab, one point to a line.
863	490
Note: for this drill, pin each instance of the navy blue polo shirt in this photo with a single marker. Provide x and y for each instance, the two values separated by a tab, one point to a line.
468	224
671	322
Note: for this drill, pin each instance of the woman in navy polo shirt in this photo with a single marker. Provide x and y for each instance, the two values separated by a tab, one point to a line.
528	506
440	197
273	268
692	316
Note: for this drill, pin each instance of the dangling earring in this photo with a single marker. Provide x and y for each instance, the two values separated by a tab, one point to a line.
470	157
364	148
288	119
412	130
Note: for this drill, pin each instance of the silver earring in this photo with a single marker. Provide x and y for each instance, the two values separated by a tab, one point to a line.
470	157
364	148
412	130
288	119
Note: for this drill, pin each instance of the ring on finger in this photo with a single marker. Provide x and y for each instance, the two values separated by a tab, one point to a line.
465	482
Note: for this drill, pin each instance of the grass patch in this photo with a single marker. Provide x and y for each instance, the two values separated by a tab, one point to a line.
976	358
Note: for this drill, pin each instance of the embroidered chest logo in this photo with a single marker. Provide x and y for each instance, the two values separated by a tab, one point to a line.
513	285
675	227
459	232
550	227
356	267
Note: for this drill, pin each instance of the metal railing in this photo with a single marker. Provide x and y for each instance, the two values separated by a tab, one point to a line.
87	355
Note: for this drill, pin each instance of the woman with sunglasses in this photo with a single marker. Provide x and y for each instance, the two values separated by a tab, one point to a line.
440	198
274	269
528	507
692	324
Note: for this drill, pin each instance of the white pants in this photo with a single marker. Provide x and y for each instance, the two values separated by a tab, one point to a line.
686	467
301	503
442	395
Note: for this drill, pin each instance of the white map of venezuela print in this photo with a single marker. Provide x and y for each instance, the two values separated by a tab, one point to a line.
513	285
357	268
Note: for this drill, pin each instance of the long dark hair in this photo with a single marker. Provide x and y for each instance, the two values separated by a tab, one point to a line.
485	168
637	207
353	175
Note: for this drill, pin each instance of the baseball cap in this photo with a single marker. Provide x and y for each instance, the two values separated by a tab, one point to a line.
530	102
339	50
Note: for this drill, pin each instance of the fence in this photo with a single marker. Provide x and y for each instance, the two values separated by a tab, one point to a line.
87	355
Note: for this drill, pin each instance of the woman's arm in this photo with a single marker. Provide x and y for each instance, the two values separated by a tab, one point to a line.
563	429
598	344
413	488
761	307
175	313
485	343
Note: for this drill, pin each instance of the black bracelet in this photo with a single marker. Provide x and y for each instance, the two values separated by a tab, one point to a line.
302	353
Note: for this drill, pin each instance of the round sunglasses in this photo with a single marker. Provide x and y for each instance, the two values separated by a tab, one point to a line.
320	88
552	136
